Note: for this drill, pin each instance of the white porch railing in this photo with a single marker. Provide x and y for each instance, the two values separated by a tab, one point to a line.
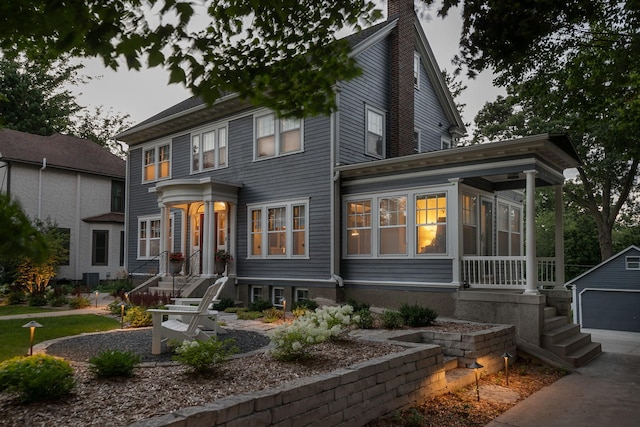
505	272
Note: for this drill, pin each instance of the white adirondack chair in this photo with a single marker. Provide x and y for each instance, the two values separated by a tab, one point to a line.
187	322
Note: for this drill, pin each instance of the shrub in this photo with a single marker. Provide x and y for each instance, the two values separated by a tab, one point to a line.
260	305
150	300
115	309
225	303
79	302
36	378
357	306
391	319
307	304
57	300
366	319
292	341
15	297
202	356
249	315
37	300
138	317
114	363
272	314
234	309
415	315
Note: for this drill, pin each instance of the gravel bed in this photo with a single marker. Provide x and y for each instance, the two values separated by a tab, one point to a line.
83	347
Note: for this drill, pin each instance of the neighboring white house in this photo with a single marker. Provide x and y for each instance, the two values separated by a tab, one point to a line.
77	184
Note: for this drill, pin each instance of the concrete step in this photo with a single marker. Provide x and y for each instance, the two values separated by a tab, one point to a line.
570	345
554	322
556	335
550	312
585	354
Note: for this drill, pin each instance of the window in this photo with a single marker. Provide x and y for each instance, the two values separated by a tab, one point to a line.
209	149
121	248
277	297
256	293
282	227
393	226
359	227
276	137
445	142
416	70
633	262
156	163
149	233
378	226
416	140
302	294
117	196
431	223
100	247
509	226
375	133
470	224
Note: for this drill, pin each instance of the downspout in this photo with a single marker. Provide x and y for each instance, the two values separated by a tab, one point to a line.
44	166
334	193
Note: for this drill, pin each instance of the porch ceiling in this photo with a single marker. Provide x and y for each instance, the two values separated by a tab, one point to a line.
554	151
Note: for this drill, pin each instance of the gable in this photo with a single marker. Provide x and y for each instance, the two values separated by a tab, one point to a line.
612	273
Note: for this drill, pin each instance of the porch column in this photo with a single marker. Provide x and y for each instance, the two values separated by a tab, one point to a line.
210	217
204	229
453	217
559	249
532	264
165	242
231	231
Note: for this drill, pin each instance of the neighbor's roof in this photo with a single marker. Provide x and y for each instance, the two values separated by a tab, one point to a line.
61	151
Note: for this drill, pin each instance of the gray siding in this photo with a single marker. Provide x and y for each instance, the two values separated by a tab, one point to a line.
429	115
371	88
612	275
398	270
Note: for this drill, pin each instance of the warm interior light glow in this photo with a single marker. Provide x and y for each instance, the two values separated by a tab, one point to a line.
355	233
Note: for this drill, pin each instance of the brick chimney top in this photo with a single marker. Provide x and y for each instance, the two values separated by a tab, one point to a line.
395	7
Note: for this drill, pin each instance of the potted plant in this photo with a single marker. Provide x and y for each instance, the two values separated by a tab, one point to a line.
222	257
175	262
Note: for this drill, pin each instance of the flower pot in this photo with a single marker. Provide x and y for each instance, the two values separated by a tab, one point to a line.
219	266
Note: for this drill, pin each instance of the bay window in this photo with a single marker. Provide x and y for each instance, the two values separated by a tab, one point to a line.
281	227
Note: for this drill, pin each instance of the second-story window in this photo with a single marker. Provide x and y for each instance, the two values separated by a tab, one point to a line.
375	133
157	162
276	137
209	149
117	196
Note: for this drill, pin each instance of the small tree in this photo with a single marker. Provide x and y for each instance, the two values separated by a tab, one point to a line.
35	275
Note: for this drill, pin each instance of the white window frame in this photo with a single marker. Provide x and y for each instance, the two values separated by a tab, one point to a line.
632	262
411	226
416	70
511	207
369	109
277	302
147	220
279	129
445	142
289	230
221	157
436	223
471	218
255	294
297	295
156	161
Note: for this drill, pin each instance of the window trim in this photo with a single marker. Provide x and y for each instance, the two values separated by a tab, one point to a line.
215	128
632	259
147	219
446	142
416	70
277	136
296	297
264	208
156	149
94	261
511	206
252	295
368	108
411	225
273	296
417	133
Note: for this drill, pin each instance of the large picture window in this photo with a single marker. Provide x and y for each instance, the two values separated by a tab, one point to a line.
156	163
431	223
375	140
279	230
276	137
149	234
209	149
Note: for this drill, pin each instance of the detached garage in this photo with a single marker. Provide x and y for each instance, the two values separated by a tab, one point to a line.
608	295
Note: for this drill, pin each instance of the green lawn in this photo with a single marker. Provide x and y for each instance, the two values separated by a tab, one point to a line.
7	310
14	339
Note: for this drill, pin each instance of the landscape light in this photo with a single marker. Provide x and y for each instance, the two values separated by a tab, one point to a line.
32	328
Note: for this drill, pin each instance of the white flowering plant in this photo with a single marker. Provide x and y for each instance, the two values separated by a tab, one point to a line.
292	341
202	356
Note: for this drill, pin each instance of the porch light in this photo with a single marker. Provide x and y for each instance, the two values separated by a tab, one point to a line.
32	329
475	366
506	357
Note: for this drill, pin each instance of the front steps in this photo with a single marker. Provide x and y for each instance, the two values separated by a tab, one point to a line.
182	287
565	340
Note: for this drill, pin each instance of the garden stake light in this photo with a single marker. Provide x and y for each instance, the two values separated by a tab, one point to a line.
284	310
506	356
32	328
96	299
475	366
122	304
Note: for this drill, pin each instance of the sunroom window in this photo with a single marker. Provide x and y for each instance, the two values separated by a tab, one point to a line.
509	234
393	225
470	224
359	227
431	224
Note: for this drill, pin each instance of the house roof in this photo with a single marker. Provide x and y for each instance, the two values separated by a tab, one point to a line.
194	111
602	264
60	151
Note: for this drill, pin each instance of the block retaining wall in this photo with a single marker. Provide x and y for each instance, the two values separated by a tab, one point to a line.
355	395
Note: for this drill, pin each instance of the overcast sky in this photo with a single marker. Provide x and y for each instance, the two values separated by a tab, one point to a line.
141	94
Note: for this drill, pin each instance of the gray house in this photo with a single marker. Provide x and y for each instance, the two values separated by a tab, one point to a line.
374	202
608	295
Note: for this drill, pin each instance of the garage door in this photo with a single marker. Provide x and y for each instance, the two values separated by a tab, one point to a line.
612	310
